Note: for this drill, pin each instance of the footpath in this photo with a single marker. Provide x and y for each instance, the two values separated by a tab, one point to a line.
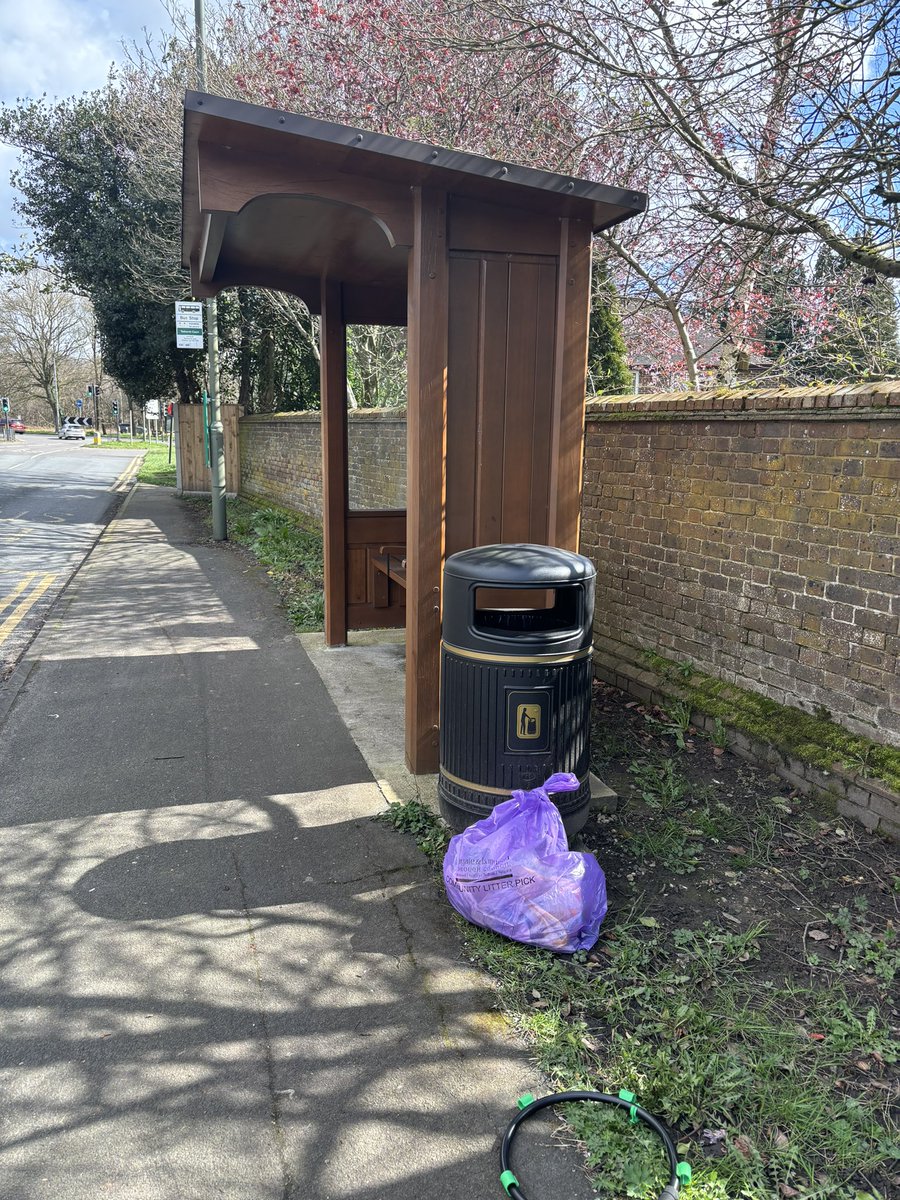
219	976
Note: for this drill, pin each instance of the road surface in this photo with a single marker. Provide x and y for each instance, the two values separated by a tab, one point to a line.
55	498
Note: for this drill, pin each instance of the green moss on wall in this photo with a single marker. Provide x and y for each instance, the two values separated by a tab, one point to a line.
812	737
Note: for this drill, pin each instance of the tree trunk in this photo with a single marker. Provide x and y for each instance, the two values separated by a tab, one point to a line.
267	375
245	393
183	382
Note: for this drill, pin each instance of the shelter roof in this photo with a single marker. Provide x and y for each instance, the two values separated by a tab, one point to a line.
284	200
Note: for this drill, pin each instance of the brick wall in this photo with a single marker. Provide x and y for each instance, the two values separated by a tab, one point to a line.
755	534
376	458
281	459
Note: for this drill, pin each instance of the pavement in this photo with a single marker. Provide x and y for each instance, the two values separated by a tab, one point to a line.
219	977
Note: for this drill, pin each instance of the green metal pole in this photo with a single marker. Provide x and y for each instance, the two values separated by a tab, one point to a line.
216	428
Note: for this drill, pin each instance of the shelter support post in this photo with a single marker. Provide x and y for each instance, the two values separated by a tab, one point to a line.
570	371
333	345
426	479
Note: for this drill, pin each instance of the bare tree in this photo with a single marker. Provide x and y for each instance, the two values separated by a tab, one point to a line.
43	332
781	119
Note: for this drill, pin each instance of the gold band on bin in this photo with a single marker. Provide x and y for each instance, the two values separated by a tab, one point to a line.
542	660
493	791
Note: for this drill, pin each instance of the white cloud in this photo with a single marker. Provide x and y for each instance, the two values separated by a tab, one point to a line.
61	48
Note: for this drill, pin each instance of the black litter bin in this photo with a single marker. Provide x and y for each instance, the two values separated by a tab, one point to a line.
515	678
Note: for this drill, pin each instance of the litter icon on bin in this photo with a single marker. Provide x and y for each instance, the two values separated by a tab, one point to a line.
527	720
528	717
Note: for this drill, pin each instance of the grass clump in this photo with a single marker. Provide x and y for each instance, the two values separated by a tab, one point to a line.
862	949
682	1023
289	545
156	467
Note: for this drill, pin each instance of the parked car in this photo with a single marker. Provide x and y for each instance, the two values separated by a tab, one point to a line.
14	423
71	429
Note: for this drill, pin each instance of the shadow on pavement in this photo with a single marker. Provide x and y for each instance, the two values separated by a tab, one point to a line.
220	978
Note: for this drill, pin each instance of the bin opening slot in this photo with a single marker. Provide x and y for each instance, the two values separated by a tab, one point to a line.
527	610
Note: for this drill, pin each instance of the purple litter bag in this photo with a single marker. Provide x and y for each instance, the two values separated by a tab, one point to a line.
513	872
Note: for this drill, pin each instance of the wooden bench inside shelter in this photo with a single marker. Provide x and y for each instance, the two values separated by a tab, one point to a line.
388	566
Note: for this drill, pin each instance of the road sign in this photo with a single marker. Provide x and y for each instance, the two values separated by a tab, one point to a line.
79	403
188	325
151	410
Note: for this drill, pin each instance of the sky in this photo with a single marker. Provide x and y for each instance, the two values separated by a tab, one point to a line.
61	48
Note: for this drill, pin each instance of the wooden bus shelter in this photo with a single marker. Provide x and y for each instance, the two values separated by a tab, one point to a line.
488	266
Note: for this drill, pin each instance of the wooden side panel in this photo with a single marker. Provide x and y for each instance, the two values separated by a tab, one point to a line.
194	471
491	349
529	383
334	461
502	345
545	285
477	225
567	452
426	434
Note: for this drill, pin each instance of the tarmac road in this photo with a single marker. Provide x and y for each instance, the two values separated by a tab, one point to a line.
55	498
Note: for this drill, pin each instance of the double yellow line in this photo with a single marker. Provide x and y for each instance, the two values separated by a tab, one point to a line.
127	476
15	616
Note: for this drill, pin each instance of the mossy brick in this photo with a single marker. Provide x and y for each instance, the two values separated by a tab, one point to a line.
885	487
883	468
884	806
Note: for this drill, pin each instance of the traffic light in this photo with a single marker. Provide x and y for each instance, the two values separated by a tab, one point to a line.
115	408
90	389
5	403
169	409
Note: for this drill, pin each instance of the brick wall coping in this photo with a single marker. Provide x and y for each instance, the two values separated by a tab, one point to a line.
863	398
313	417
302	418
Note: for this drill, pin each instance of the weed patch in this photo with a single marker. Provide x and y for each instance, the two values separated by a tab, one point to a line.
415	818
775	1072
289	546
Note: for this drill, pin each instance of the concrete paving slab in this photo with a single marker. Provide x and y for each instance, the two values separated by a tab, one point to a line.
219	977
365	679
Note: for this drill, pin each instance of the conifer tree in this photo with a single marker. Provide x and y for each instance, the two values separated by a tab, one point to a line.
860	340
608	372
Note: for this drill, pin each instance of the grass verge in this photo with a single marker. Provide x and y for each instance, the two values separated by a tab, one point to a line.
777	1078
289	546
155	467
